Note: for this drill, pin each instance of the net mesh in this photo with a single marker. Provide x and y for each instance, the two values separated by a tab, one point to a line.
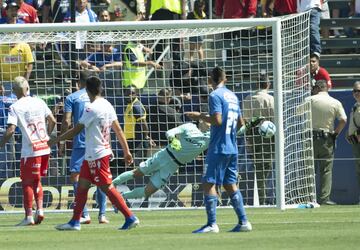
176	81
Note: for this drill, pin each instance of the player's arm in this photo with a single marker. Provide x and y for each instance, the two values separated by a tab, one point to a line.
171	136
51	123
67	135
215	119
8	134
29	69
121	138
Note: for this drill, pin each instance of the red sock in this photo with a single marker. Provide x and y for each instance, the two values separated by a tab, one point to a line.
28	197
80	201
118	201
38	194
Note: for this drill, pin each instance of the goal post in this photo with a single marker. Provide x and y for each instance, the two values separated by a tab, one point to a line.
185	52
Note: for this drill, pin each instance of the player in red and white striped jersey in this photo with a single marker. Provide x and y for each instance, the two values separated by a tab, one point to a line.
98	119
30	115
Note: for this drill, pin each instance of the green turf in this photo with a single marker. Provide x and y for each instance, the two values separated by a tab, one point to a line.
331	227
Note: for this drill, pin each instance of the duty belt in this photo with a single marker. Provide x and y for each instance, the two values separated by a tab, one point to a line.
321	134
173	157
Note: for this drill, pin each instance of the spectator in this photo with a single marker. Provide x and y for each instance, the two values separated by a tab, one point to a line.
162	117
26	12
167	10
15	60
55	11
260	104
317	72
325	110
281	7
107	62
235	8
196	42
187	78
122	10
315	6
83	14
104	16
136	129
12	9
353	133
134	73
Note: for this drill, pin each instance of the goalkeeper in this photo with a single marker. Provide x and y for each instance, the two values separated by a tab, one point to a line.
186	142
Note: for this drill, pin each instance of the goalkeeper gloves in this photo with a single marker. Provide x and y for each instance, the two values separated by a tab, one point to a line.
175	144
254	122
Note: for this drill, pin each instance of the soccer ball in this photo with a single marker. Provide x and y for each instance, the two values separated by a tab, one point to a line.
267	129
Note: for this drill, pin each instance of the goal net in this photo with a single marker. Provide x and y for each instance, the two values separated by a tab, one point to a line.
178	57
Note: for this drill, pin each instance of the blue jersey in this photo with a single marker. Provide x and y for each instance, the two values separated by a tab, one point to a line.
75	103
223	138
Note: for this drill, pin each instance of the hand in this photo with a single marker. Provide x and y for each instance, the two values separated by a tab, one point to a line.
128	159
175	144
156	65
152	143
193	115
52	142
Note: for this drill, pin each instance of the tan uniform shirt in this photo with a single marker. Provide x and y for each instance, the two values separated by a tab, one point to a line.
354	123
258	104
324	110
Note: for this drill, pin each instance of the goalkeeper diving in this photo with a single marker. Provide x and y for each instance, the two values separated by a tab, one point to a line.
186	142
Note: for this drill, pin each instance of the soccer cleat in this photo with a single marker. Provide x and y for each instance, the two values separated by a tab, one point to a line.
85	220
71	226
207	229
130	223
103	220
28	221
39	216
242	227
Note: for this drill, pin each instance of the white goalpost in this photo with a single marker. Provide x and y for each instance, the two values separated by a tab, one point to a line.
186	52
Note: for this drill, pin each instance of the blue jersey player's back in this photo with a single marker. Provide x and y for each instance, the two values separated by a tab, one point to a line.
223	138
75	103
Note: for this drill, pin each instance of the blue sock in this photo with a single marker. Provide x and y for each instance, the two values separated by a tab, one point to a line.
74	222
101	201
238	205
85	211
210	205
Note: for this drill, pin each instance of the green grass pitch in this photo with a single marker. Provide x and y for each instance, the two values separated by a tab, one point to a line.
328	227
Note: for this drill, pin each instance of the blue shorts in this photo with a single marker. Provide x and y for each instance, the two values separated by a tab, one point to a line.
220	169
77	158
160	166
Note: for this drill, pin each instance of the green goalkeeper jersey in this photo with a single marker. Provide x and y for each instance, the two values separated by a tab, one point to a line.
193	142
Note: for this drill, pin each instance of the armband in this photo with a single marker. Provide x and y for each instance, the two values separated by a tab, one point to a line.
62	143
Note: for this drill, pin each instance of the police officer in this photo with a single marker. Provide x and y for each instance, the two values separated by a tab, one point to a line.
260	104
325	110
353	134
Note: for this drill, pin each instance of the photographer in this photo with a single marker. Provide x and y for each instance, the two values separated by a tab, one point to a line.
353	134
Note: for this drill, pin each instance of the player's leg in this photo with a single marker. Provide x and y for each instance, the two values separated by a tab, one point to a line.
210	196
101	201
230	185
76	160
127	176
141	192
38	190
27	180
84	183
104	182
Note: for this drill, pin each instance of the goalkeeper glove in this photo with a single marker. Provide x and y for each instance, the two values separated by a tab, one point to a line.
254	122
175	144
